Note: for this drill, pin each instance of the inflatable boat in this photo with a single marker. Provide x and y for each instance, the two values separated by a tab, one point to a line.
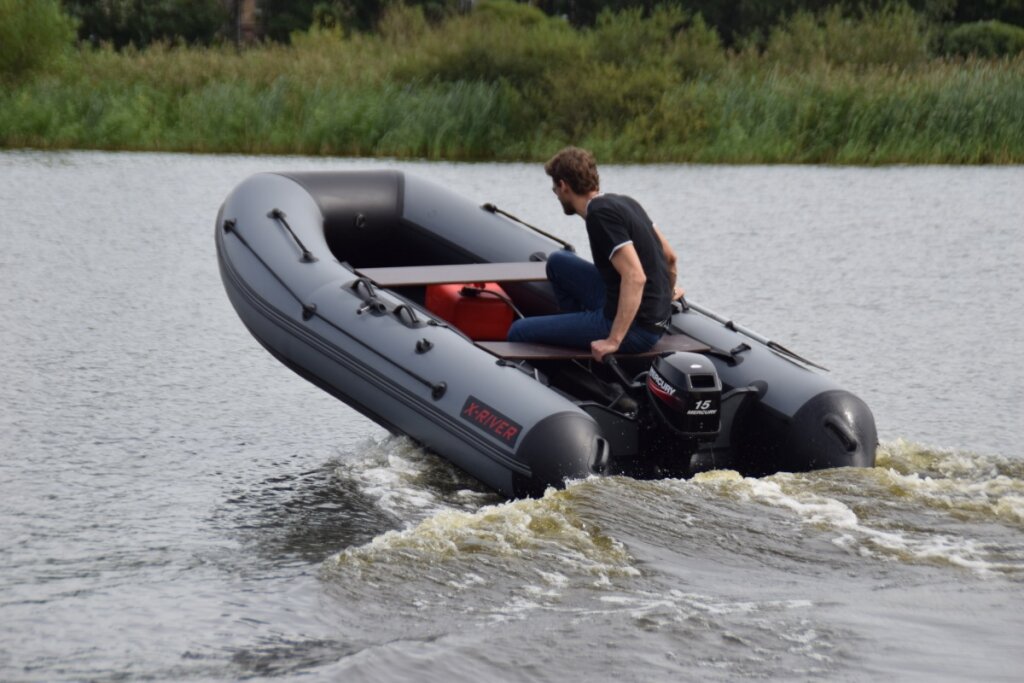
394	295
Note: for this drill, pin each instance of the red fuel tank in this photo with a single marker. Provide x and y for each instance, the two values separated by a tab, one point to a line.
480	310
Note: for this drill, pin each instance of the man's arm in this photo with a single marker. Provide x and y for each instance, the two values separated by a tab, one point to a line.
631	291
672	261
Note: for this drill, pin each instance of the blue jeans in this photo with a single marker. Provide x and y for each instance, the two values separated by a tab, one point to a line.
579	290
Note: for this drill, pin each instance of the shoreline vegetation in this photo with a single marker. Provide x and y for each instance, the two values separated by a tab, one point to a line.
506	82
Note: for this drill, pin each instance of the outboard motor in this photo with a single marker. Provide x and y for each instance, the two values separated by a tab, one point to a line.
684	396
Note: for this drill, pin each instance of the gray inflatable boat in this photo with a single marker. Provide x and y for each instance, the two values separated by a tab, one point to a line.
392	294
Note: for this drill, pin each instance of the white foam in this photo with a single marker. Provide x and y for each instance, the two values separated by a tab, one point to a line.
467	581
553	578
397	474
790	492
684	605
812	508
999	497
536	536
1011	507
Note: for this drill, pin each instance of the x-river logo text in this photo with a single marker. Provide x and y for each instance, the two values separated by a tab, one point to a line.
490	421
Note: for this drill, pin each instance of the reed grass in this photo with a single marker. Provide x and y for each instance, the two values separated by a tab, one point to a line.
513	84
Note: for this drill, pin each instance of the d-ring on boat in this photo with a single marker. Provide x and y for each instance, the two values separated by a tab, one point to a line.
394	294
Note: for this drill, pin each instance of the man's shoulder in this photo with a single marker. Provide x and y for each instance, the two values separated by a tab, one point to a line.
607	205
609	199
619	204
617	208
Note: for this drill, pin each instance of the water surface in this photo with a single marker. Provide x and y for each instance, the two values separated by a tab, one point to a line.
175	504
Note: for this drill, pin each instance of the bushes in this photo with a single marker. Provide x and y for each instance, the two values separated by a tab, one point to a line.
508	82
894	36
696	51
568	82
33	34
501	41
984	39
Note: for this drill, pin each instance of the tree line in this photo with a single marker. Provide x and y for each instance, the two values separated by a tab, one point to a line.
507	81
142	22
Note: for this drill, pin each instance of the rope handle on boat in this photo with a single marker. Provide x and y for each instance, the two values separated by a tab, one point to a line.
491	208
410	312
365	282
279	215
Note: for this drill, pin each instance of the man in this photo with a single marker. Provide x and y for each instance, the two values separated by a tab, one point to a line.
622	301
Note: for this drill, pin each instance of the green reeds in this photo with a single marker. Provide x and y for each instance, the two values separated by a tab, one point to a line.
512	85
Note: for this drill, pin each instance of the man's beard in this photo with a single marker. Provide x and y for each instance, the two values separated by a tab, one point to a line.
567	207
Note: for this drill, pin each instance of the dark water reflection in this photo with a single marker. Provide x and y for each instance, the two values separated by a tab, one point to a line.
299	517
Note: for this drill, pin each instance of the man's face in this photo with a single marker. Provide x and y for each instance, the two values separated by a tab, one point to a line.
561	190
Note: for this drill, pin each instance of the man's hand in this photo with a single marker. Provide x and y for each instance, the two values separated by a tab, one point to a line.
601	348
678	293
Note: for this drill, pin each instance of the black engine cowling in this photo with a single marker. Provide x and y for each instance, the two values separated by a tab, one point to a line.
677	409
682	411
685	394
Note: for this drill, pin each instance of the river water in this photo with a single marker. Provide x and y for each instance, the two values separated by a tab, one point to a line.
176	505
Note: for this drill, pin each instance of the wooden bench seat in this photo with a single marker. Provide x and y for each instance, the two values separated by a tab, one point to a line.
412	276
526	351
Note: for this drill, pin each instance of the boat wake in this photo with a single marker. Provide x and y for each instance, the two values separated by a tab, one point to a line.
917	506
749	574
459	535
409	483
970	517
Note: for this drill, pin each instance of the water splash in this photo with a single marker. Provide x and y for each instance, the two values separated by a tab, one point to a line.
544	540
409	483
917	505
970	487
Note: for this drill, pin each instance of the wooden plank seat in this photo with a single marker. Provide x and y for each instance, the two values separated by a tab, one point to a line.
527	351
411	276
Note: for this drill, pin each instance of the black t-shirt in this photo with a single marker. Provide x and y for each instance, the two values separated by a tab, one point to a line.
613	221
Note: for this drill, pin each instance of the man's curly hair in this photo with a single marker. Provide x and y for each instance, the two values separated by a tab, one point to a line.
576	167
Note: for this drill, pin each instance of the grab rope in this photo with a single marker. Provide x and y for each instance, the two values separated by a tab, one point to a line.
279	215
491	208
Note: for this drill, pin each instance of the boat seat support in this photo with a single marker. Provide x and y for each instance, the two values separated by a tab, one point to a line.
526	351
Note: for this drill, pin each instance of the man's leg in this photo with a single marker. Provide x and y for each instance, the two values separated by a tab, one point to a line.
575	330
638	340
577	284
579	290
